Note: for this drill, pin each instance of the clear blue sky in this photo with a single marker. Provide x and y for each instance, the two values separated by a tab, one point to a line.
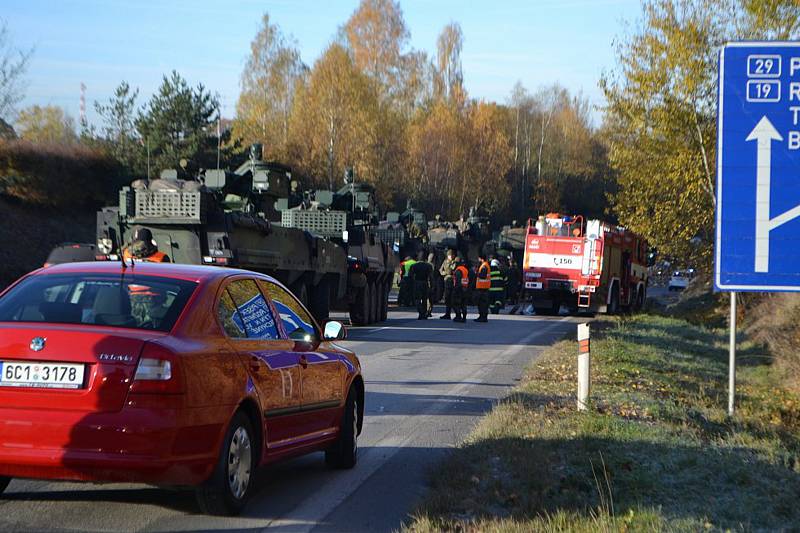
102	42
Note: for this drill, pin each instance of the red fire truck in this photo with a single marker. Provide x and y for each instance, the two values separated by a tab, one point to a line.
586	266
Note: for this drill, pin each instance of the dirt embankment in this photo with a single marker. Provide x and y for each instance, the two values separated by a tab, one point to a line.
28	233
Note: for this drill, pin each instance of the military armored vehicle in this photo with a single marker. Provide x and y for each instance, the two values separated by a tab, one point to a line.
230	219
406	231
348	217
509	241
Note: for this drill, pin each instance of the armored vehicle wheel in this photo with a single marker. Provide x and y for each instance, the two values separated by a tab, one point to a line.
300	289
384	302
373	303
359	309
321	300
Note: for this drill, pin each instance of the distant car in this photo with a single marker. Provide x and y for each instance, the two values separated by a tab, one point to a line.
169	375
679	281
71	252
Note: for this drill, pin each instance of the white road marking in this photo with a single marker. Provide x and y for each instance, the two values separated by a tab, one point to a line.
312	511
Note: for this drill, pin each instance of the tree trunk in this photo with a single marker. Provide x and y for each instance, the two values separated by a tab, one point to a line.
709	185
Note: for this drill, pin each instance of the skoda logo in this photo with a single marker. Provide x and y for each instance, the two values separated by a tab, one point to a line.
37	344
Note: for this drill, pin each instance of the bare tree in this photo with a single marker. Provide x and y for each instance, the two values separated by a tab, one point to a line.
13	64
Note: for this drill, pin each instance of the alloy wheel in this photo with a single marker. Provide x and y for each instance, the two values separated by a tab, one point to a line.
240	457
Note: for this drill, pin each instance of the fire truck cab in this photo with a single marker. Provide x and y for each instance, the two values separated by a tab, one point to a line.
585	266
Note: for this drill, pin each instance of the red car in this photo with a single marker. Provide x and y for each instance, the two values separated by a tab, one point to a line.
168	375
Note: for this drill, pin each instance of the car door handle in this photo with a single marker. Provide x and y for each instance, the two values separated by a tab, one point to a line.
255	364
303	361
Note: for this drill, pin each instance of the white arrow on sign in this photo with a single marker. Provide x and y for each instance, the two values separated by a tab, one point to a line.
765	133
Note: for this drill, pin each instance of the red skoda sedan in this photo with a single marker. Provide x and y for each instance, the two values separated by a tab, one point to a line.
168	375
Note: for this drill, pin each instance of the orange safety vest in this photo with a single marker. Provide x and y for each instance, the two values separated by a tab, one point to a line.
156	257
464	276
485	283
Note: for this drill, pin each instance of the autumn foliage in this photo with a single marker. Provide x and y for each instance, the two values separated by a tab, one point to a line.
405	122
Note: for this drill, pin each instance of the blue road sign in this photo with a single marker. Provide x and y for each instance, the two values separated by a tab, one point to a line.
758	168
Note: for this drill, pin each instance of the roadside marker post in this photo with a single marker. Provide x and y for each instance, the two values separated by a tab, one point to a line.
758	174
584	367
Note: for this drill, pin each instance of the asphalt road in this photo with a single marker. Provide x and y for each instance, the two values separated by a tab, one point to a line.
427	383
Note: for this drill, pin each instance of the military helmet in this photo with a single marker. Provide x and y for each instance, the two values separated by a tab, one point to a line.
143	234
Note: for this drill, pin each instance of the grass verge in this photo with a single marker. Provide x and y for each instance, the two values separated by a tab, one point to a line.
656	452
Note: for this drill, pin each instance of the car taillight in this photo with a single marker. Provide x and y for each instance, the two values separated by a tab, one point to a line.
158	372
153	369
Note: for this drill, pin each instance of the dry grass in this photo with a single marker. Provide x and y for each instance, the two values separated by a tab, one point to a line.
773	320
657	452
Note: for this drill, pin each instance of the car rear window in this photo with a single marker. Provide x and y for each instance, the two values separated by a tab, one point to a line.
138	302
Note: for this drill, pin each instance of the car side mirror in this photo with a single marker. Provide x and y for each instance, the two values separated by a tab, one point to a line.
334	331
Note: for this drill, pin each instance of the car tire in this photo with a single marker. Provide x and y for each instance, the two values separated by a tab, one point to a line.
4	481
343	453
226	491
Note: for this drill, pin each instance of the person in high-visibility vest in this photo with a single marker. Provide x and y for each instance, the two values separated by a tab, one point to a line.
144	248
460	293
483	282
405	296
497	291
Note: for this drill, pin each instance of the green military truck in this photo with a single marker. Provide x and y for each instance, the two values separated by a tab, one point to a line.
238	219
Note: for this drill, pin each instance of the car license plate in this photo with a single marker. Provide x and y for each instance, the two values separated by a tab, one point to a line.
41	375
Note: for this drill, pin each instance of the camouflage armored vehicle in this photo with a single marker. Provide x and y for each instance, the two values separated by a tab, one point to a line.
475	232
508	242
348	218
406	232
230	219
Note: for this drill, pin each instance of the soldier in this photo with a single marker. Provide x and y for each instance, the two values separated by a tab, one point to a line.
144	248
446	271
483	282
421	275
147	305
460	293
431	261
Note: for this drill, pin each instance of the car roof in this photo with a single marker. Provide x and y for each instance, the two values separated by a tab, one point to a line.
198	273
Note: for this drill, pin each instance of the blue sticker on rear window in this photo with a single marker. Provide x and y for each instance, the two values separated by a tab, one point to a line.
255	316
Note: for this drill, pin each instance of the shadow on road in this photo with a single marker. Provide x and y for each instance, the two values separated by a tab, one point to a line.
387	403
278	490
426	383
500	331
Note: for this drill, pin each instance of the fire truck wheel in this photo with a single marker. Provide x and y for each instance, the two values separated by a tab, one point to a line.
640	299
613	305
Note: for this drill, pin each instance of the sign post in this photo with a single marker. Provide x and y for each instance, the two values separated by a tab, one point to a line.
758	174
584	367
